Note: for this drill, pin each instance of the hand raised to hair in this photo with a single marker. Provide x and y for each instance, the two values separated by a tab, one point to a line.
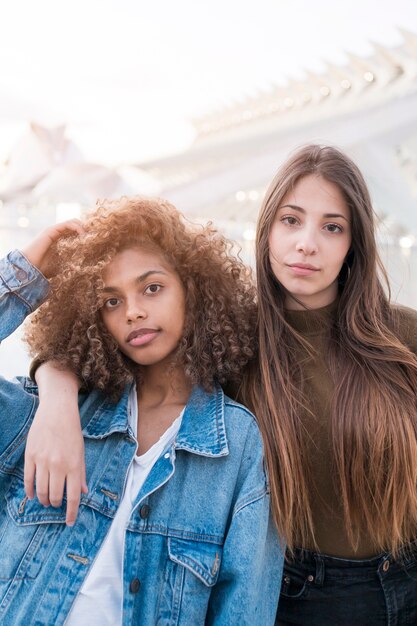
38	250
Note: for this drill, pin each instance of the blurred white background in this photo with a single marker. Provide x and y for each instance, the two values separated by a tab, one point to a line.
200	102
127	77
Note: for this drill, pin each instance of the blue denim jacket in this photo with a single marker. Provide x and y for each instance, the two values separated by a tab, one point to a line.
200	547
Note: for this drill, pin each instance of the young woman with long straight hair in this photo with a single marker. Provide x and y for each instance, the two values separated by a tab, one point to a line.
336	399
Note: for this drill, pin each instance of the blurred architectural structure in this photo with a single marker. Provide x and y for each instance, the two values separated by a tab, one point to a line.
368	107
46	179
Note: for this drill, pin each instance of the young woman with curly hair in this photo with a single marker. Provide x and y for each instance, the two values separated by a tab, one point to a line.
151	315
336	399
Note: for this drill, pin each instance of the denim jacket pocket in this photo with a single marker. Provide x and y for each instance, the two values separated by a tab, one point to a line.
192	570
202	559
26	534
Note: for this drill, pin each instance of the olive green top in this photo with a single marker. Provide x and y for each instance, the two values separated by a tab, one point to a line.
326	499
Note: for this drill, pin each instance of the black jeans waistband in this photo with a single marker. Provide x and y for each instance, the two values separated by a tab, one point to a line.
319	563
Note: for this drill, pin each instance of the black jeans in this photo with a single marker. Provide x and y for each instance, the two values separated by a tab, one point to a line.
320	590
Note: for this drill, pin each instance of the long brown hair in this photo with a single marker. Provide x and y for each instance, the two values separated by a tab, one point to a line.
374	408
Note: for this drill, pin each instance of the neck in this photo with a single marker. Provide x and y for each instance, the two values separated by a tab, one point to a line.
318	301
162	386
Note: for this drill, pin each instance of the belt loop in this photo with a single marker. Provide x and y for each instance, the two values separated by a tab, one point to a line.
319	579
409	555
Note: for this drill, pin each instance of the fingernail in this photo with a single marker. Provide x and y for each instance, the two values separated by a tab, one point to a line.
70	524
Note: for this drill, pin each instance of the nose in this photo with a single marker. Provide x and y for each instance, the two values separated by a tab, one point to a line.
307	243
134	310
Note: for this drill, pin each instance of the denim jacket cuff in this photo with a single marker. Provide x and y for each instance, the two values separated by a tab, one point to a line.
23	279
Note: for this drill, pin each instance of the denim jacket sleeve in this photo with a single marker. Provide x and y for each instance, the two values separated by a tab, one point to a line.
22	289
249	582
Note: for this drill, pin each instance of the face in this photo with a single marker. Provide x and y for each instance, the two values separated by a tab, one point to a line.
144	307
309	241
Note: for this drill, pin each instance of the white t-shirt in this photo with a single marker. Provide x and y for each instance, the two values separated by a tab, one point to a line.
100	599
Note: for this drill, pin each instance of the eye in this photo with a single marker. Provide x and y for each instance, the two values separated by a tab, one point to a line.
111	303
291	220
333	228
154	288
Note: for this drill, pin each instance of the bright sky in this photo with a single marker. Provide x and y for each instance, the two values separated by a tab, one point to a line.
128	76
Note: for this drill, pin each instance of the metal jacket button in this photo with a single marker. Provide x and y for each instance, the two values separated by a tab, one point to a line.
134	585
385	567
21	275
144	511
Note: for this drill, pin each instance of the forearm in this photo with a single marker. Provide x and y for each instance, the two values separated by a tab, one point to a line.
56	383
55	446
23	282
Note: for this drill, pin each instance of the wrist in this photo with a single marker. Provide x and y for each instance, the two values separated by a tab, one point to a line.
54	382
33	255
58	395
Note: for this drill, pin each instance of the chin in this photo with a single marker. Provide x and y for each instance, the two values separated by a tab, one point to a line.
303	294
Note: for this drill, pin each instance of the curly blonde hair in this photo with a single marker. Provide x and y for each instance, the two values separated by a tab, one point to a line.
220	326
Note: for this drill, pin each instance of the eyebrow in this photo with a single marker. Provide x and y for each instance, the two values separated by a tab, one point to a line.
139	279
301	210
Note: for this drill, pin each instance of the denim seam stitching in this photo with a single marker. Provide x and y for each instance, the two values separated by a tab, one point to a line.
19	438
251	499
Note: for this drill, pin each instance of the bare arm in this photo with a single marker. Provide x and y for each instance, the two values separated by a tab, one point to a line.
55	445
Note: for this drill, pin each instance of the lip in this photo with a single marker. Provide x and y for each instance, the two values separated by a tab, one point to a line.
141	336
303	269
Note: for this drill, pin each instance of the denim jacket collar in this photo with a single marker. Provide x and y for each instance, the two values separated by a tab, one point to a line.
108	418
202	429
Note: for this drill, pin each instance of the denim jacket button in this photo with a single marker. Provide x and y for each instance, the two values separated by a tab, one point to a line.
134	585
144	511
385	567
21	275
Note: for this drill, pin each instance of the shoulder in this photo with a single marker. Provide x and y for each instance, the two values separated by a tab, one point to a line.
245	443
239	411
242	429
239	415
405	320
